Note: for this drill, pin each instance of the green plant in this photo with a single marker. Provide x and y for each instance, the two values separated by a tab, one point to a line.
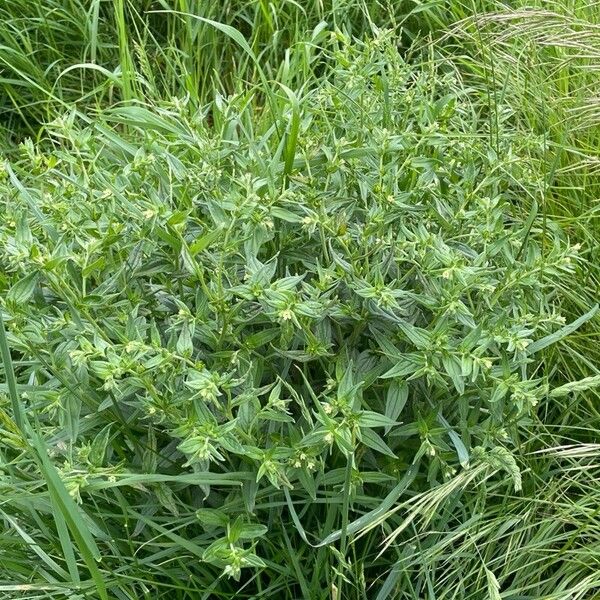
58	52
243	329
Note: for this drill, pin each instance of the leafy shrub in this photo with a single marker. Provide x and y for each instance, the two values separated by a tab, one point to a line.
224	315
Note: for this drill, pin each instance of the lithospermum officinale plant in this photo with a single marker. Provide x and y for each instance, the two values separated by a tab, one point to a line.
209	327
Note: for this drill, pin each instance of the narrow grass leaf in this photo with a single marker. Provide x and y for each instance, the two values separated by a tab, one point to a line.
561	333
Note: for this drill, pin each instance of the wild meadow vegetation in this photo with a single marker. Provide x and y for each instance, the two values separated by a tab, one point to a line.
298	300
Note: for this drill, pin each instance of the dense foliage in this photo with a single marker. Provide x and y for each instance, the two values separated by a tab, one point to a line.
294	340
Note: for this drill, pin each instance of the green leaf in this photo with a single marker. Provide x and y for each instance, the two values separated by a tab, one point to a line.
454	369
203	242
250	531
561	333
407	365
11	382
211	517
421	338
374	441
21	291
307	481
99	446
397	395
461	449
291	138
285	215
368	418
185	347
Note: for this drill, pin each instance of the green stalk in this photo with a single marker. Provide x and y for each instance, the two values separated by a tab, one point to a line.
345	514
124	55
11	382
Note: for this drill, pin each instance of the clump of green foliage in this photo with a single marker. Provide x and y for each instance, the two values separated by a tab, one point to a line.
95	53
241	329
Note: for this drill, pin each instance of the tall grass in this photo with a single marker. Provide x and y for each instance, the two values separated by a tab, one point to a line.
100	52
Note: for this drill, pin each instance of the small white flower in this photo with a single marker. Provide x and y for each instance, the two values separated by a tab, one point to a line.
231	571
286	314
109	384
